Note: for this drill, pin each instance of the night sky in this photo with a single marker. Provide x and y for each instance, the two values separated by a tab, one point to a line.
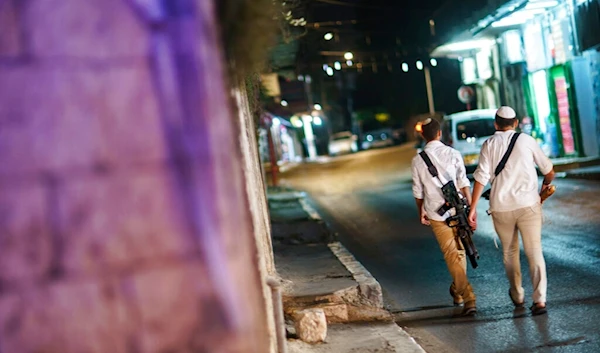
384	34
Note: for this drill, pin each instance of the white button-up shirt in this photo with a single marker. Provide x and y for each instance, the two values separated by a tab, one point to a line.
450	166
517	185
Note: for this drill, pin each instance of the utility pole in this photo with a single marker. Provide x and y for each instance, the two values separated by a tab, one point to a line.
429	91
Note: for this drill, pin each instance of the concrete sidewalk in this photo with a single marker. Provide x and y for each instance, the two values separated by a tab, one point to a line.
588	173
318	273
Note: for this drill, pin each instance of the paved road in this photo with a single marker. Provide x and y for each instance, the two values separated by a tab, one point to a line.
367	198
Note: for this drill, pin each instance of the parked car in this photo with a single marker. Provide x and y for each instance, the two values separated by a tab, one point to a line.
342	142
377	138
467	131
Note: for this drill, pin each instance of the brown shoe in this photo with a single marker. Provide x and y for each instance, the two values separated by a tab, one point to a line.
457	299
470	309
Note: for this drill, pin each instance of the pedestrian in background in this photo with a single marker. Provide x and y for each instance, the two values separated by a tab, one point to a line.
427	191
515	203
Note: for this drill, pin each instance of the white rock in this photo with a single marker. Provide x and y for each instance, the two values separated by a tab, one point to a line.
311	325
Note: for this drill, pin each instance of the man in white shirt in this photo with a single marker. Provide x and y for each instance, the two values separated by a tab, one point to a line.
515	203
427	191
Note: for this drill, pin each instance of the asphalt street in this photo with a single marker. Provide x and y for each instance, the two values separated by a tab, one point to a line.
367	199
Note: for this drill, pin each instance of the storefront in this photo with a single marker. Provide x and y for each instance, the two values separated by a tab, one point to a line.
586	17
539	71
554	77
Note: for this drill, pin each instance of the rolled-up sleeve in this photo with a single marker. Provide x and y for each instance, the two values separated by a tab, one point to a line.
417	186
461	171
482	173
540	159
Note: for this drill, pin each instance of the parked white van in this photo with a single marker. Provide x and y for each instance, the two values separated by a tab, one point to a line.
466	132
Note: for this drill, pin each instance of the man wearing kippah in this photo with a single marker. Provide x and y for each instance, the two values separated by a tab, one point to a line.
515	203
427	191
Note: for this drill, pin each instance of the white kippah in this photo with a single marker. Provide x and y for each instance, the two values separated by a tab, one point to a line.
506	113
426	121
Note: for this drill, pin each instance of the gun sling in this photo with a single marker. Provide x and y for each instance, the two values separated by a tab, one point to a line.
502	164
504	159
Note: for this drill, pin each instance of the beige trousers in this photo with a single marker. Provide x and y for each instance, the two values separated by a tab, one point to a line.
528	221
455	258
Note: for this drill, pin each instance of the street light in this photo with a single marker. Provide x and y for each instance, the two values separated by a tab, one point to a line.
433	62
328	36
318	106
348	56
329	71
405	67
349	62
325	66
317	121
429	91
284	103
419	65
337	65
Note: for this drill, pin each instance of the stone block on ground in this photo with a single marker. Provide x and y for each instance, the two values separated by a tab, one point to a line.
363	313
311	325
334	312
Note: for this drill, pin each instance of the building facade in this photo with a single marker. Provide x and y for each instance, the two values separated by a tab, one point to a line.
540	57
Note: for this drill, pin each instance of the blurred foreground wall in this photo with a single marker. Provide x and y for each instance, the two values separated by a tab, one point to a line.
124	213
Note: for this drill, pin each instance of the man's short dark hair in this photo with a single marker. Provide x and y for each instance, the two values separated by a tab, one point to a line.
504	123
431	130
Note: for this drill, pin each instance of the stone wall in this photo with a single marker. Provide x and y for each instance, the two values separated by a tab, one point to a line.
257	201
124	221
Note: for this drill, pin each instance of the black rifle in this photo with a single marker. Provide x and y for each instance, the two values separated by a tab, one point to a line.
459	220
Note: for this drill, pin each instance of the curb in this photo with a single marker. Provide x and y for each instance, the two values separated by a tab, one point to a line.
578	175
368	285
309	209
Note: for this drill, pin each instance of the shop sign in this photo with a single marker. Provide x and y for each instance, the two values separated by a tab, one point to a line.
562	97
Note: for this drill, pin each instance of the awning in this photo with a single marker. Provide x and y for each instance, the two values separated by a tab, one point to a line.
481	34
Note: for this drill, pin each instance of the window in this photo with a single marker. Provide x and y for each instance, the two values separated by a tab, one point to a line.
475	128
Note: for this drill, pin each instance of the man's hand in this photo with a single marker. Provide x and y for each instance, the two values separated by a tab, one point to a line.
425	218
473	219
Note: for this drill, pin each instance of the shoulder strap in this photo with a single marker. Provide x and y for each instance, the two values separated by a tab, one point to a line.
430	167
502	163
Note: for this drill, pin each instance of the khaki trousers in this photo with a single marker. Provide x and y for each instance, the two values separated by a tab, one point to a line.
528	221
455	258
